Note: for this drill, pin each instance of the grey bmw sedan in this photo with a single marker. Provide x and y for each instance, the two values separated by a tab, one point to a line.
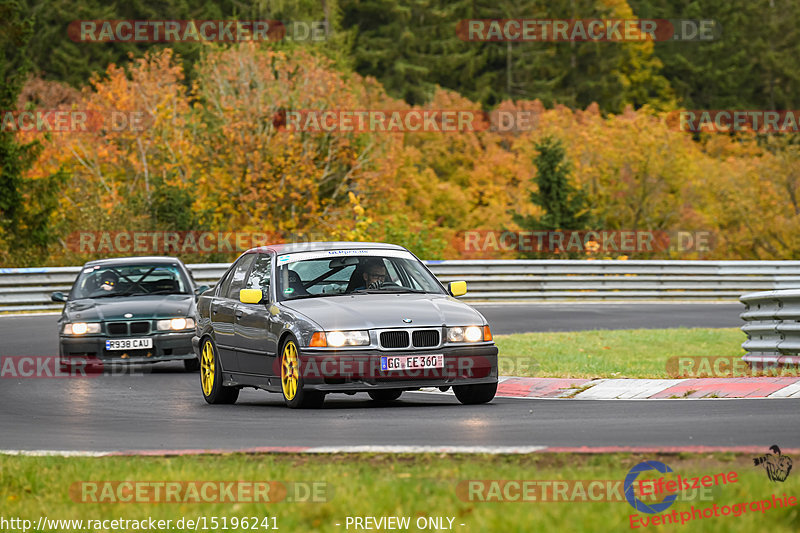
310	319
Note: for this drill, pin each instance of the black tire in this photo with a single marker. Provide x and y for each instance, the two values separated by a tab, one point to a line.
475	394
191	365
385	395
292	383
214	392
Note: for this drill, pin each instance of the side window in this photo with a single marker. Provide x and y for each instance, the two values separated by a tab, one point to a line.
259	276
239	273
392	272
224	284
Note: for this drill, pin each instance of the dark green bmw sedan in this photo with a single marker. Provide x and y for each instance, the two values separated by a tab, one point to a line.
129	310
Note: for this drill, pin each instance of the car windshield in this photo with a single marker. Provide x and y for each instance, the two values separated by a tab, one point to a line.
316	274
129	280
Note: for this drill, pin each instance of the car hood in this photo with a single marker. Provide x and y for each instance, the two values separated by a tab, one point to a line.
141	307
376	311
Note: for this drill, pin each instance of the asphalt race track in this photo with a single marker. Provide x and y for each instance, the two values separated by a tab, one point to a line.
37	335
161	408
580	316
165	410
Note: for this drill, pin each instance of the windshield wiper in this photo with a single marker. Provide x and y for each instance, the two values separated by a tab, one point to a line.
304	296
163	291
135	293
386	290
112	295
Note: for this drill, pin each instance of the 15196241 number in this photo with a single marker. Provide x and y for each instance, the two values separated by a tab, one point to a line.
129	344
412	362
205	523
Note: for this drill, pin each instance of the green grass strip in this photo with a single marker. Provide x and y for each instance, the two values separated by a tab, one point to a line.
382	485
628	353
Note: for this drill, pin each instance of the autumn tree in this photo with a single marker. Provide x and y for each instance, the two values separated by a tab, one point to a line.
220	154
260	173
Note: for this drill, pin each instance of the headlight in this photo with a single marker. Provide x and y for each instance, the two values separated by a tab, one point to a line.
81	328
175	324
340	338
465	334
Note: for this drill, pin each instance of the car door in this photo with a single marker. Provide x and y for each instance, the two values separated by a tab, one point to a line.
223	308
256	342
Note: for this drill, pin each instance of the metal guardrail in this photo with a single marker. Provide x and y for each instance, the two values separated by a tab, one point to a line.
504	280
772	325
29	289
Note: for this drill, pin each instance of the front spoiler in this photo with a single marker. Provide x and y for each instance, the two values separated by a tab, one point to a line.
360	370
362	386
85	351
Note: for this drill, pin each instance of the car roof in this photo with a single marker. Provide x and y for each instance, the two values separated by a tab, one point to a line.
320	246
141	260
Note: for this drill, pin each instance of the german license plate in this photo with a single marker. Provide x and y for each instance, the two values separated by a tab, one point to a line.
412	362
129	344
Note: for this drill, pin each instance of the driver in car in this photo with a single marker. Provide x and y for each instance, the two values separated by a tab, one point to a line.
108	281
374	275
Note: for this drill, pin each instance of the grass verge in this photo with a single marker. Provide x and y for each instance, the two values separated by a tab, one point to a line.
627	353
382	485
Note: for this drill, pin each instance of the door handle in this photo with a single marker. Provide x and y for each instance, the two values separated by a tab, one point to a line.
239	314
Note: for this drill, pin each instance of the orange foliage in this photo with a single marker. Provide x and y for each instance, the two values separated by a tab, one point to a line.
224	141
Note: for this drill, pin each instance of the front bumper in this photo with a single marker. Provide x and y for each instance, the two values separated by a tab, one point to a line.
88	350
360	370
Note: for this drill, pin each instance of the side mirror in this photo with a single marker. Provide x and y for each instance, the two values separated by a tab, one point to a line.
201	289
251	296
58	297
458	288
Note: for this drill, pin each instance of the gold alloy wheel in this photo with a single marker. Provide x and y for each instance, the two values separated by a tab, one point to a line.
207	368
289	370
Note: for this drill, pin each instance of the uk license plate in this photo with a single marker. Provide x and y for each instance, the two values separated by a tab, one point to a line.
129	344
412	362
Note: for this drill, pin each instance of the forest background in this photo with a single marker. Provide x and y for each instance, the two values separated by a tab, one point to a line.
215	155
